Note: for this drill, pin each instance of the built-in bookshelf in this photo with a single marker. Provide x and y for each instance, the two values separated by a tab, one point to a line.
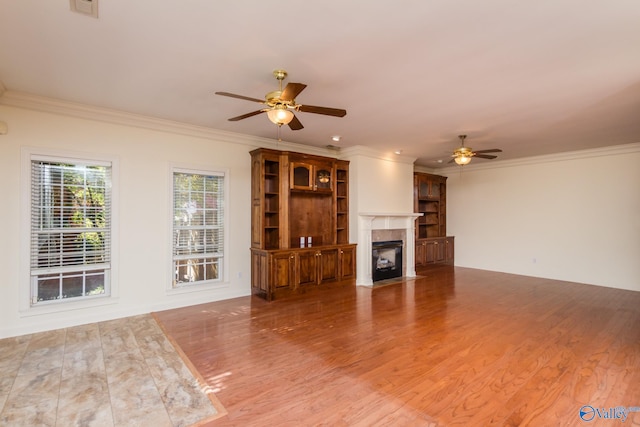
300	222
433	246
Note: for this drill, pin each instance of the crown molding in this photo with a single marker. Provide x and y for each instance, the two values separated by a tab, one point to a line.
360	150
613	150
71	109
88	112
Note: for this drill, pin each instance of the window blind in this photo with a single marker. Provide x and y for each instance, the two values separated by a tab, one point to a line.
70	217
198	226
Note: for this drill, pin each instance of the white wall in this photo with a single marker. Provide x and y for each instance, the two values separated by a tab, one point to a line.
572	217
379	182
578	217
144	152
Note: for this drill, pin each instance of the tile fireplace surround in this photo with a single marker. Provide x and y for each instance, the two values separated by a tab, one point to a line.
377	227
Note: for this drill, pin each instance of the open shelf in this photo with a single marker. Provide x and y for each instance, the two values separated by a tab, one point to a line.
342	202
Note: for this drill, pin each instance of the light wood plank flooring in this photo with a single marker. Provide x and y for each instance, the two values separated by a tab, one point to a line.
455	347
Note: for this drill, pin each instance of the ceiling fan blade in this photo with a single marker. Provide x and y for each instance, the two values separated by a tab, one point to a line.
295	124
244	116
451	161
492	150
246	98
336	112
291	91
485	156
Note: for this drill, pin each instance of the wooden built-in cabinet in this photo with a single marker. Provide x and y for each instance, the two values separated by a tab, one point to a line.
434	250
433	246
300	222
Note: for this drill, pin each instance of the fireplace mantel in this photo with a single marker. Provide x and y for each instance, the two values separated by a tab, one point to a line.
369	221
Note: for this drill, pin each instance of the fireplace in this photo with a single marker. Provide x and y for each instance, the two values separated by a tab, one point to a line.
379	227
386	260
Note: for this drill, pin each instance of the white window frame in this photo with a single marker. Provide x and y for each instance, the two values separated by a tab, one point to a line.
223	265
27	304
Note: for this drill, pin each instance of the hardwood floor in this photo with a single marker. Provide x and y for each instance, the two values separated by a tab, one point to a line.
455	347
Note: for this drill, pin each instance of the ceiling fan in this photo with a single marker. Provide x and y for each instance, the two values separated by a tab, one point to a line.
281	104
462	155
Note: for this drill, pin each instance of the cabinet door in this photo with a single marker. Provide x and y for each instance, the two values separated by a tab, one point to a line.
301	176
421	254
283	273
440	252
328	264
307	267
430	249
259	272
347	263
311	176
423	187
434	190
322	178
428	188
449	251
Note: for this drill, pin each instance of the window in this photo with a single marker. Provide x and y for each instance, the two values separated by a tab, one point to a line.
198	227
70	244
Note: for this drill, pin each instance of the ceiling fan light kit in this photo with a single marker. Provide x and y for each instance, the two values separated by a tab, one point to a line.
280	115
463	160
282	104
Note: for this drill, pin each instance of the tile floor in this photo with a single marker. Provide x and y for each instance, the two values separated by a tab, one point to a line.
123	372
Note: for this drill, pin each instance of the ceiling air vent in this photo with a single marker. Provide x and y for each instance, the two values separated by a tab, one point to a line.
85	7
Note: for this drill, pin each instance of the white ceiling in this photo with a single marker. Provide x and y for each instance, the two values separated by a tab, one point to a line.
535	77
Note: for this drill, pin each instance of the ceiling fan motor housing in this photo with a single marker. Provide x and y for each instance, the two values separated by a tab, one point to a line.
273	98
464	151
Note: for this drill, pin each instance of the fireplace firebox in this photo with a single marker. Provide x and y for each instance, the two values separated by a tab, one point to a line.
386	260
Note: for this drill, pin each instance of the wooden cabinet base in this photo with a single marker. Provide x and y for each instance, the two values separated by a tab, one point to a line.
280	272
435	250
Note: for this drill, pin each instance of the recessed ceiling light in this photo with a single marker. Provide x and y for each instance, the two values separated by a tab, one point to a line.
336	138
398	151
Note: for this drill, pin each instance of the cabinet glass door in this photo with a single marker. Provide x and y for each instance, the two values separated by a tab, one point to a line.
435	190
323	179
423	188
301	176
